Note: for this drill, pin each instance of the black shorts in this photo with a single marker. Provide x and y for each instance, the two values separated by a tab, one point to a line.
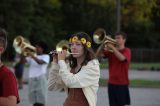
19	70
118	95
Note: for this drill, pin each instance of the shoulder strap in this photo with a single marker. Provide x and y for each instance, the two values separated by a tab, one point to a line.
79	69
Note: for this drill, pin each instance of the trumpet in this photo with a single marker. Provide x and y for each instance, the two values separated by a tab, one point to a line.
62	45
55	52
23	46
99	37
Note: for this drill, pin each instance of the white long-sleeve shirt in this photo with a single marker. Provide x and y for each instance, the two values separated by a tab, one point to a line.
87	79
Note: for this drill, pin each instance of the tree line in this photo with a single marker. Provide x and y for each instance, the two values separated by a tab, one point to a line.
54	20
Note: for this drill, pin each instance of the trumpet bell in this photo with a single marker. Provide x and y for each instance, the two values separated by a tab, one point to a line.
62	45
23	46
99	36
17	43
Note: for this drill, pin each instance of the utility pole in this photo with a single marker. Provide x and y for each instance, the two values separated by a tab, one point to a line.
118	15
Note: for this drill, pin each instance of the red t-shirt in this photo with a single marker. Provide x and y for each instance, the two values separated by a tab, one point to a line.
8	83
118	70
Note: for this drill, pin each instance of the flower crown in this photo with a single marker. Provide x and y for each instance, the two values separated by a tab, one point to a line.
83	41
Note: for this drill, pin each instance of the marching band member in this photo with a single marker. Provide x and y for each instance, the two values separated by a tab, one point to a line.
37	75
8	85
81	77
119	60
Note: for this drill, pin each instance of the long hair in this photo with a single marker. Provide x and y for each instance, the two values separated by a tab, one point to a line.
88	51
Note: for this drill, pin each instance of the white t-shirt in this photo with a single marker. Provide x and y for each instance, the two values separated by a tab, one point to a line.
36	69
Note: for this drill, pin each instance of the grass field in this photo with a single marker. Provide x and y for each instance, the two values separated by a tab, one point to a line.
147	66
137	83
137	66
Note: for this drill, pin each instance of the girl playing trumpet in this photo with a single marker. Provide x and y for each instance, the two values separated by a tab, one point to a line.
81	76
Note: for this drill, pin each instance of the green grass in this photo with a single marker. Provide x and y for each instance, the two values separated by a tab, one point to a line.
139	66
137	83
147	66
145	83
104	65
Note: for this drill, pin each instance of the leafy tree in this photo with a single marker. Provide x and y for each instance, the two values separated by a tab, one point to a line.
42	25
87	15
54	20
136	21
15	17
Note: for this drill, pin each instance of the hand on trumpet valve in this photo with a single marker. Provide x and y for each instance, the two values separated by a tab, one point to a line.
55	58
53	52
59	55
109	46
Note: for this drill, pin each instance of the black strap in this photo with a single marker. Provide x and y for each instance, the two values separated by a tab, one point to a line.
79	69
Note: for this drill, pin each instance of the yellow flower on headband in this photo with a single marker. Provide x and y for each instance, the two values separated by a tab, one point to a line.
83	40
88	44
75	38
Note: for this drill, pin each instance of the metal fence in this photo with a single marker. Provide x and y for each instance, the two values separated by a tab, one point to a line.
145	55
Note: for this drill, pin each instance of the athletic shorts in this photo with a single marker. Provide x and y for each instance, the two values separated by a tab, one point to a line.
118	95
38	89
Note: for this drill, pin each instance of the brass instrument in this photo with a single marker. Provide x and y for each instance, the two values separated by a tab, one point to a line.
62	45
99	37
22	46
